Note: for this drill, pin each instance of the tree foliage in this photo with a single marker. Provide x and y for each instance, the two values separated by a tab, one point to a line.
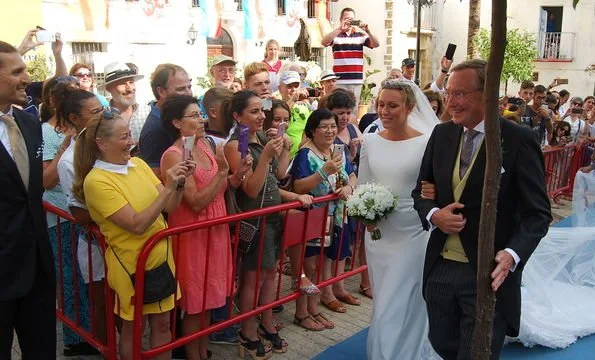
37	66
521	50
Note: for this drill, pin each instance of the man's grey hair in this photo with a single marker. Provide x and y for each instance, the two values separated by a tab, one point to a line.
478	65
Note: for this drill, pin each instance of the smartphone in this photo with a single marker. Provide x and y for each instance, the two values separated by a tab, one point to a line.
562	82
355	22
45	36
313	92
339	149
243	140
187	145
450	51
577	110
281	129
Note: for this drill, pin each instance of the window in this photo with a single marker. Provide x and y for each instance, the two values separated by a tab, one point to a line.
287	52
281	7
195	3
311	9
79	48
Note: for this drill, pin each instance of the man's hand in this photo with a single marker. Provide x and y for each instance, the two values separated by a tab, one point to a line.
28	43
364	27
445	63
345	25
504	262
447	220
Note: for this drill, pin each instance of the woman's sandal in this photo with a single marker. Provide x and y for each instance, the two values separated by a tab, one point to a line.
276	323
325	322
279	345
335	306
255	348
349	299
366	291
307	290
300	322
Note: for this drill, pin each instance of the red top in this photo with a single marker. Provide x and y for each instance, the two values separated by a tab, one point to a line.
274	68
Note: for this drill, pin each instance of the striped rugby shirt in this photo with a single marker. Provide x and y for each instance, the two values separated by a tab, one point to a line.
348	55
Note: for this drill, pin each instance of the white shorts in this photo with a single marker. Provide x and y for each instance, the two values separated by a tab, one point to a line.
96	258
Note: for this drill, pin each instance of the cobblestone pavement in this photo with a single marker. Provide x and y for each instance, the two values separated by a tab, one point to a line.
303	344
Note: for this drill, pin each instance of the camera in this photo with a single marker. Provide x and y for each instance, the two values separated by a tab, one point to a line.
577	110
355	22
313	92
515	103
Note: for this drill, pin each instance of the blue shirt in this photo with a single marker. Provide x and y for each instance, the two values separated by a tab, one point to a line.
154	139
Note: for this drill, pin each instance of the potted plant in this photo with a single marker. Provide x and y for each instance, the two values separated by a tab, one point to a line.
366	96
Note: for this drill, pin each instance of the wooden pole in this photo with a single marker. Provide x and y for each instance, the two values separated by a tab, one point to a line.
486	300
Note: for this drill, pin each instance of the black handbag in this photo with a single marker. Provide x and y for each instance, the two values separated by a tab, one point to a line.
160	282
248	233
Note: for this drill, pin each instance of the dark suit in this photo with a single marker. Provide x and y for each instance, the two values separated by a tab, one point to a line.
27	298
523	217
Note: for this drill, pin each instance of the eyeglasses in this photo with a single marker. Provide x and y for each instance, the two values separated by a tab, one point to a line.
194	115
224	71
84	75
327	128
107	114
458	94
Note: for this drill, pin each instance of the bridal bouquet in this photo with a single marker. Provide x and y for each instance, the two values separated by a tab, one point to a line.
370	203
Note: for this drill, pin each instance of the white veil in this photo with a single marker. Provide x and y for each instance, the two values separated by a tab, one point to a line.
422	118
558	285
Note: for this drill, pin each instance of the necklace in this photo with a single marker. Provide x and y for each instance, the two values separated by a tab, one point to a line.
322	155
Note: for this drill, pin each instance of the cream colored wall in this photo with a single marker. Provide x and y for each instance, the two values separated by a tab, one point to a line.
18	16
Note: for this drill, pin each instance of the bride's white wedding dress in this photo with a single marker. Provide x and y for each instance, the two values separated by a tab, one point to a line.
399	327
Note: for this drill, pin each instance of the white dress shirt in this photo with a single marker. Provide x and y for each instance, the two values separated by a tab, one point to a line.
480	128
4	134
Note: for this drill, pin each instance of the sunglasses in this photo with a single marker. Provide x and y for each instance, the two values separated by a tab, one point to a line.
410	66
577	104
84	75
107	114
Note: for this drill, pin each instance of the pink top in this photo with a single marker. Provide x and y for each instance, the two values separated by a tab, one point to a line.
193	249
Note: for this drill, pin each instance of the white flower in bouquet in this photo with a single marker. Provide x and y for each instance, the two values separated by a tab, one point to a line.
370	203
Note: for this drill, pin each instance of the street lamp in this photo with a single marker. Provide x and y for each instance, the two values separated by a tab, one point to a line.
192	34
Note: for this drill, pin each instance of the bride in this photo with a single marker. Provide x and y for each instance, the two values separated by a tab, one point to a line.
399	327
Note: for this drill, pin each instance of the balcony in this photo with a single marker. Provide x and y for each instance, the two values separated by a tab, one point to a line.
428	18
555	46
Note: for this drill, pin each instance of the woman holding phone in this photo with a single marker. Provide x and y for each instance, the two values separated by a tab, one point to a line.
258	189
203	199
320	168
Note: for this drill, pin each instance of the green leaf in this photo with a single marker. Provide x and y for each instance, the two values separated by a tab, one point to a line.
519	54
574	3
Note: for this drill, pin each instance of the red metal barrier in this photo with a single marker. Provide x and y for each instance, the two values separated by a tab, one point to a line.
561	166
107	347
299	227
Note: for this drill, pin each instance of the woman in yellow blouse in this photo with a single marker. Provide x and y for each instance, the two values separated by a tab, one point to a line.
126	200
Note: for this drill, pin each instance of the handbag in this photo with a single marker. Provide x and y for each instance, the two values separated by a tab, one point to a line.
247	232
160	282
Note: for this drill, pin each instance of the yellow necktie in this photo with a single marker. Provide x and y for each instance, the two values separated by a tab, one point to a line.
19	148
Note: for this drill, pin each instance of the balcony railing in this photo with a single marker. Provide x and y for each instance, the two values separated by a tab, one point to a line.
555	46
428	17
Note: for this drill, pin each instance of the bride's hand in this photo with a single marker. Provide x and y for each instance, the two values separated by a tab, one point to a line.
371	227
428	190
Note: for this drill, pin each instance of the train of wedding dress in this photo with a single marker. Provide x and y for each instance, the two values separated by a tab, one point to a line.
558	286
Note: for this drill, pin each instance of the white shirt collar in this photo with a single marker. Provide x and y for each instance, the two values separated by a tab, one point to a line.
10	112
115	168
479	127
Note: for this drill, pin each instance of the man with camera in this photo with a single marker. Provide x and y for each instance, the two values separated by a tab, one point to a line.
348	42
537	116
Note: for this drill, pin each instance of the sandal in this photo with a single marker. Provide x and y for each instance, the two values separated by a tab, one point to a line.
276	323
279	345
349	299
335	306
326	322
307	290
300	322
366	291
255	348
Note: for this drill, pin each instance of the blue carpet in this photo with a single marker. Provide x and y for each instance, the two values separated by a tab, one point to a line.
354	348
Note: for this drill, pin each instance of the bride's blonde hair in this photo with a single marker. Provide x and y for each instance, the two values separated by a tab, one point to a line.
403	87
